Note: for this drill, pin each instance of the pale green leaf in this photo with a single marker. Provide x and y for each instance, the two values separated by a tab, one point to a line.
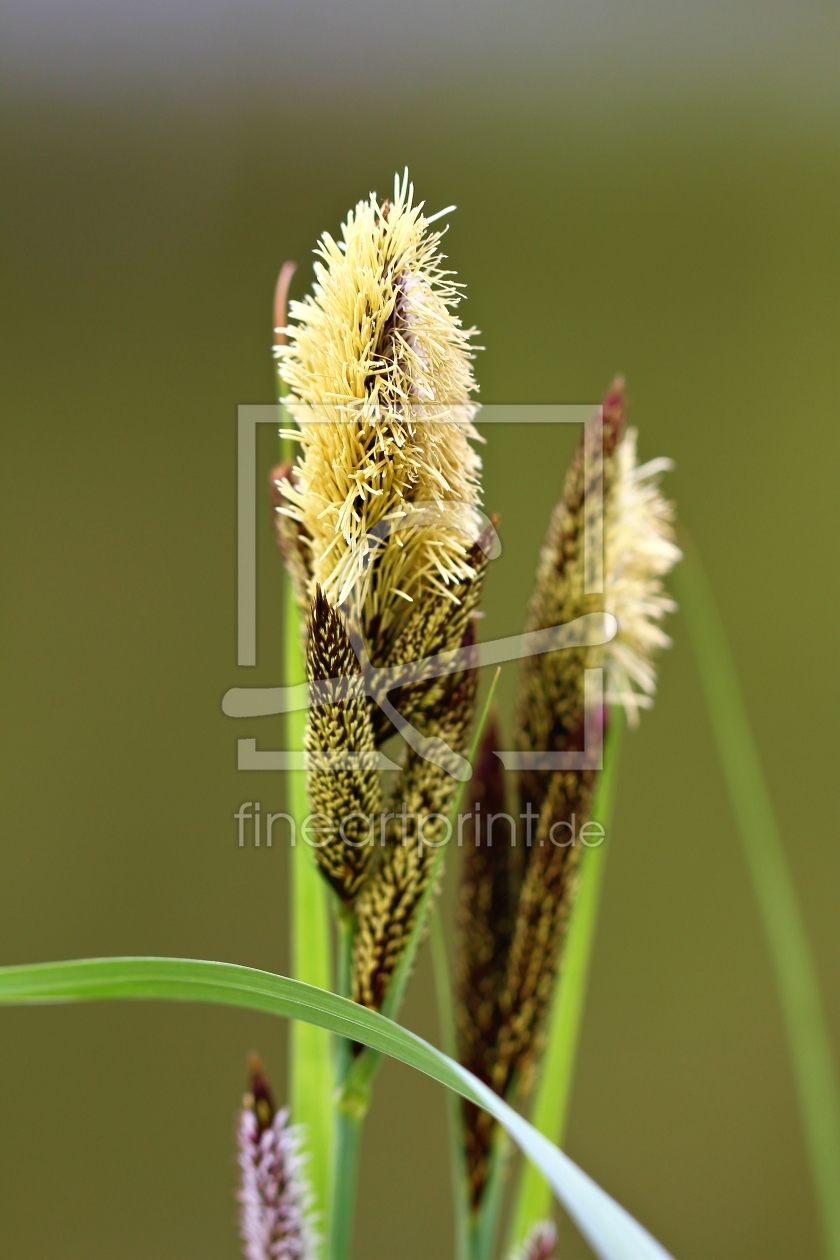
611	1232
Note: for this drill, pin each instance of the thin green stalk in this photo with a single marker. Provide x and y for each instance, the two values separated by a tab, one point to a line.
349	1116
346	927
454	1108
484	1224
551	1104
310	1049
807	1033
348	1133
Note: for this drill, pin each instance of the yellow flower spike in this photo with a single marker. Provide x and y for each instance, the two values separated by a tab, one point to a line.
380	376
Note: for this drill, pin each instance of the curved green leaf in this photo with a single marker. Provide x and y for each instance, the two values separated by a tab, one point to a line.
611	1232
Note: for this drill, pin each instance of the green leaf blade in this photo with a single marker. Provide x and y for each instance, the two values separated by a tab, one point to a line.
611	1232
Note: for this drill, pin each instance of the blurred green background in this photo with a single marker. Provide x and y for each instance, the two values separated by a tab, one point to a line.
681	230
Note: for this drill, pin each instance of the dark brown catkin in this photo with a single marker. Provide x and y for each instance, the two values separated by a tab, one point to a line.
347	795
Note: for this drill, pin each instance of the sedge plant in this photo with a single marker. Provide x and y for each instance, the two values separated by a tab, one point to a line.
385	545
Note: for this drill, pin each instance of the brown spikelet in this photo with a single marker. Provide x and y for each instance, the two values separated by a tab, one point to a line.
549	710
545	900
347	795
413	829
485	909
549	717
259	1098
436	624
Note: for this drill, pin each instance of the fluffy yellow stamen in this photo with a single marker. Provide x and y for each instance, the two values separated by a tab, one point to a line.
639	551
380	376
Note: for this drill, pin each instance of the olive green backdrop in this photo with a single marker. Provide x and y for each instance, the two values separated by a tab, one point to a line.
689	242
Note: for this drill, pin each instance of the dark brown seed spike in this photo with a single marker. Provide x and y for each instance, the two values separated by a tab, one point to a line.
345	793
261	1100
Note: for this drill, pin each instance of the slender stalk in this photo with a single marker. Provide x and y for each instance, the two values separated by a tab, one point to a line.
348	1133
349	1116
310	1048
454	1108
484	1224
551	1104
809	1043
346	927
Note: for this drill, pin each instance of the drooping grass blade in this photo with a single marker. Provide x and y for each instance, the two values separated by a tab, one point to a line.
611	1232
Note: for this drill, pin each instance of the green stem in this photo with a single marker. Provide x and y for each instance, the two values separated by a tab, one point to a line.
348	1133
807	1033
310	1048
454	1106
346	927
350	1112
484	1224
551	1104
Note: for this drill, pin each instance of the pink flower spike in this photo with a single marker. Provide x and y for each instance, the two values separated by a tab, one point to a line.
539	1245
275	1219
